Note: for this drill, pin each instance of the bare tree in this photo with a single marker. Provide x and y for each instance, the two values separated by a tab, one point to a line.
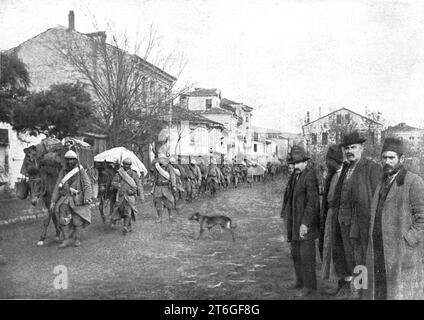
133	98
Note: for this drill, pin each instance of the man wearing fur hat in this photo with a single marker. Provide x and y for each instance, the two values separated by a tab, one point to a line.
301	215
71	195
352	204
129	187
395	248
164	186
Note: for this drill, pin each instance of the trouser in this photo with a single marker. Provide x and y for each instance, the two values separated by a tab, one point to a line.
161	203
70	222
303	254
341	265
355	248
124	211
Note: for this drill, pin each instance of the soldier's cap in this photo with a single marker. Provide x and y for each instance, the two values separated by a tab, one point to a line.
127	161
213	161
71	155
193	161
172	159
162	156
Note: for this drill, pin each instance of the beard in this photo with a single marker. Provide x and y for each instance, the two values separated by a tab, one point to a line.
390	170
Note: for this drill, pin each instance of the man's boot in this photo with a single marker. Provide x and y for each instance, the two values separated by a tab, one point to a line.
66	237
159	218
77	242
125	228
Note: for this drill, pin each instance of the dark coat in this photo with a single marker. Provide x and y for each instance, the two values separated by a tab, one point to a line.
323	211
403	239
306	206
363	183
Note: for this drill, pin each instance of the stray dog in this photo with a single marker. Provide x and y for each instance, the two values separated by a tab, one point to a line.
207	222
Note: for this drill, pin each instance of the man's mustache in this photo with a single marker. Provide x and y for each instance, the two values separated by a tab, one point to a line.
387	167
350	154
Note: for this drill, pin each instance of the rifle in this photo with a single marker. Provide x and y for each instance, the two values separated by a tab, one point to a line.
117	192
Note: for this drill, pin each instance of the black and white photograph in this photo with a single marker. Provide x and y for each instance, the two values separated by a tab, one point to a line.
212	150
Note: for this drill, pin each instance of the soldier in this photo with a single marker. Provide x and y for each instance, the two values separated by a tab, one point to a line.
226	171
244	171
164	187
196	178
179	174
204	170
71	195
236	174
213	177
129	187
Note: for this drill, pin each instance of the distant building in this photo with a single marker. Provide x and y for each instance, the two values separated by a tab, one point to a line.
329	129
271	145
414	137
193	135
234	116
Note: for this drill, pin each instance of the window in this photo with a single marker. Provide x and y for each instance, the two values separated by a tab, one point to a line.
255	136
192	137
255	147
338	137
208	104
339	119
324	138
347	118
314	139
4	137
247	118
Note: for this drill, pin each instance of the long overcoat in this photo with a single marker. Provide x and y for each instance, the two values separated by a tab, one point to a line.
304	206
402	228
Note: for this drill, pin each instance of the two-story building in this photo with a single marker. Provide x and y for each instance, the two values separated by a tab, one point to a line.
320	133
412	136
234	116
47	64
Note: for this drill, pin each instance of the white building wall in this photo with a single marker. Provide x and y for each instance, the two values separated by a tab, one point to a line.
12	156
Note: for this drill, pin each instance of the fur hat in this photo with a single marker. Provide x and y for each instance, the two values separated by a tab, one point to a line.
393	144
335	152
298	154
352	137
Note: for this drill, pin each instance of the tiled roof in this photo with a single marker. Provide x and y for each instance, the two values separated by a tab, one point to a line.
402	127
201	92
305	125
214	111
181	114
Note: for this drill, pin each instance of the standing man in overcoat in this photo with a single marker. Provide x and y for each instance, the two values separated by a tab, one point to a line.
352	202
301	214
395	250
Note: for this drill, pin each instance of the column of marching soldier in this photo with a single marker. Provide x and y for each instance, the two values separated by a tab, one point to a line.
173	183
369	222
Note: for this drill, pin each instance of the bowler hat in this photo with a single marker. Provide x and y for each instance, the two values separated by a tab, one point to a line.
352	137
335	152
298	154
393	144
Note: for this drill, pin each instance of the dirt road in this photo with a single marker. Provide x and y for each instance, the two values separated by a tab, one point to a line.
162	261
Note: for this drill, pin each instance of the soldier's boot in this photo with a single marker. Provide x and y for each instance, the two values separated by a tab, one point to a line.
126	227
159	218
77	241
171	217
67	241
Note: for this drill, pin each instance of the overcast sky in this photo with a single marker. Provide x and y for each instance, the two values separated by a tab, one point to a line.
282	58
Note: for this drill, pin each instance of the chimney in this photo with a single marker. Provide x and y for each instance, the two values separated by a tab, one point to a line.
71	20
307	117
